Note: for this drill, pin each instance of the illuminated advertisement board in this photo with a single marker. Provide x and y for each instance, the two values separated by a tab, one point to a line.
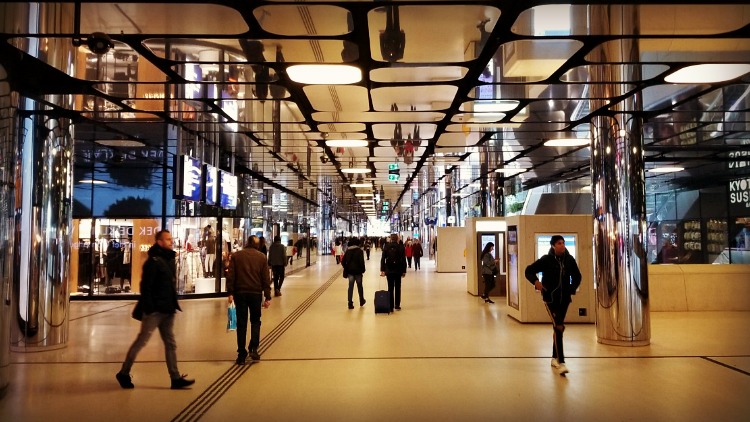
189	178
211	184
228	197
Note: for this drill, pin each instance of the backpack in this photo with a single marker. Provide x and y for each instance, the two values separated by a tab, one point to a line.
392	261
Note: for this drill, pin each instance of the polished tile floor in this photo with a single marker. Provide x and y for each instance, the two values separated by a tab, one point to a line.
447	356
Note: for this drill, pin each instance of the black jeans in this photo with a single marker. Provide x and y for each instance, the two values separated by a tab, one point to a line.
557	310
356	279
278	276
408	261
416	262
248	302
394	289
489	284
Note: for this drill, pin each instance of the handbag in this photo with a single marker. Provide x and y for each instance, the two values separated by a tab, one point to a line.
231	317
138	311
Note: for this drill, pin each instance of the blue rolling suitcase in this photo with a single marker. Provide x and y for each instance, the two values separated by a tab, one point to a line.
382	302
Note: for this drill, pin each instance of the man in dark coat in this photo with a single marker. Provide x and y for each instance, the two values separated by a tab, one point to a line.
158	302
560	280
393	268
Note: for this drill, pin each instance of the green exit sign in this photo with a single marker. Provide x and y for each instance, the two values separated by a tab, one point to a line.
393	177
393	166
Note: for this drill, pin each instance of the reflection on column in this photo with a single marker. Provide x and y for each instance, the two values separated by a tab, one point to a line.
43	231
8	108
618	189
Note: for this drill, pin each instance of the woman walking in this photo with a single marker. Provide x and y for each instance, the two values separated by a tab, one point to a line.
489	269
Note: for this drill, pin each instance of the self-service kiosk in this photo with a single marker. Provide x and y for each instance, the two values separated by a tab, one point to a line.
528	238
479	232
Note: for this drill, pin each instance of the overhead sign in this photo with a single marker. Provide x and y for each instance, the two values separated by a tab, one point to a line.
393	166
394	177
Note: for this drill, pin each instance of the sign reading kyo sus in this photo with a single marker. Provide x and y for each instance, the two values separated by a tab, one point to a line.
739	194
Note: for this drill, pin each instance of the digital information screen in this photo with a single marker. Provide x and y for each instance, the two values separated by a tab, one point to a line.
543	246
228	197
212	184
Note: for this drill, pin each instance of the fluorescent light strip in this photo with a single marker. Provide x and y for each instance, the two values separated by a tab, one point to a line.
671	169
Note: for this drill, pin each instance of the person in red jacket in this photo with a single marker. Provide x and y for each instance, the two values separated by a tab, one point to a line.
408	248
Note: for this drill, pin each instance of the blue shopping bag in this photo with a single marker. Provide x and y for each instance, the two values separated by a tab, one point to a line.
231	317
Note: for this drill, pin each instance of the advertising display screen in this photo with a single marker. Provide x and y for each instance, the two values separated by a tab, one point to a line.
543	246
228	197
513	287
189	170
211	184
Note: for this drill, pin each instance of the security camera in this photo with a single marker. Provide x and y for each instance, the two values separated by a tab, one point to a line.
99	43
323	159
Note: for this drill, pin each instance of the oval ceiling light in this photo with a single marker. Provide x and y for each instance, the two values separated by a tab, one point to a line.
567	142
324	74
510	171
361	185
93	181
364	194
670	169
708	73
346	143
355	170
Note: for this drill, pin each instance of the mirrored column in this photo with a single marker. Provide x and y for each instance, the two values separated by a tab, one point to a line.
618	188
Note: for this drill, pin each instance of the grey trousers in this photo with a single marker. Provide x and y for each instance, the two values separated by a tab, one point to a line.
165	324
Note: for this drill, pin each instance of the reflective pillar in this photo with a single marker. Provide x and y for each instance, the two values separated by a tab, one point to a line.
43	192
8	107
618	189
43	213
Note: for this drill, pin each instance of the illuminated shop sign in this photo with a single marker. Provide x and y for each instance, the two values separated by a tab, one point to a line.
189	178
212	184
228	197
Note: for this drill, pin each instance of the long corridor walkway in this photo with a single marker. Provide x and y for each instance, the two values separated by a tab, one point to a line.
447	356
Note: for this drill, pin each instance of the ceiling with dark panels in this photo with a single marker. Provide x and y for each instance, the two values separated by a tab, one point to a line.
442	83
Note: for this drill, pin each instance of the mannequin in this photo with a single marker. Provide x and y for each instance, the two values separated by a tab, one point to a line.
209	241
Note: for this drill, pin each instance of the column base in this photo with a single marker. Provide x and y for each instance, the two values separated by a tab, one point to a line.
624	343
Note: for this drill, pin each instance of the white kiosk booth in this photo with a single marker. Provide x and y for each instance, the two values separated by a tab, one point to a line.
528	239
451	253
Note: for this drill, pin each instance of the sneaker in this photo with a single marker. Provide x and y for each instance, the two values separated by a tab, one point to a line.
351	305
555	363
398	308
254	355
124	380
562	369
182	382
362	302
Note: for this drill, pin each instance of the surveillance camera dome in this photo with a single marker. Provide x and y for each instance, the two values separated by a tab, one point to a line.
99	43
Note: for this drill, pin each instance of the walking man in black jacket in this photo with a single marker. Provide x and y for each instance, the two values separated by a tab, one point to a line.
560	280
393	268
354	266
159	303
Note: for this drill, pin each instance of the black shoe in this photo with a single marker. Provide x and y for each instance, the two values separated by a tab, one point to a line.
277	293
488	300
182	382
241	358
362	302
351	305
398	308
124	380
254	355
